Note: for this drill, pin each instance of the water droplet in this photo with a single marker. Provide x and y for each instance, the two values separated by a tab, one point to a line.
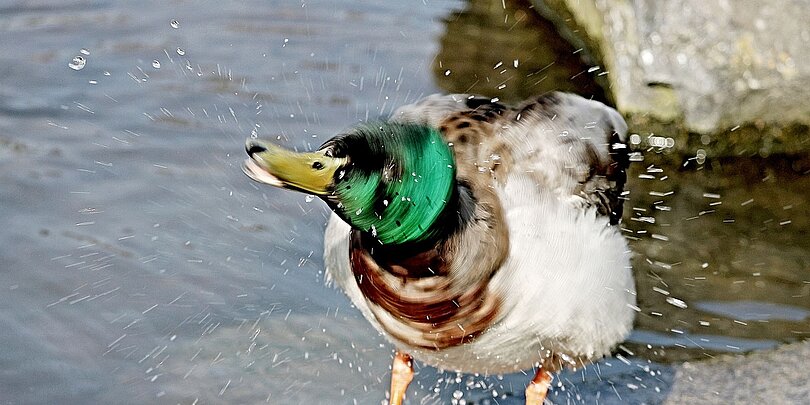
657	141
77	63
447	72
359	211
181	51
700	156
457	394
175	24
705	139
156	64
106	73
676	302
647	57
254	133
84	51
309	198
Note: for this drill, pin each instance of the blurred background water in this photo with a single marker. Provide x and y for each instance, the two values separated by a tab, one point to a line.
139	265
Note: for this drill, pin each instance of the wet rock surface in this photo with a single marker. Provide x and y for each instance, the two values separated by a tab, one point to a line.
772	377
698	67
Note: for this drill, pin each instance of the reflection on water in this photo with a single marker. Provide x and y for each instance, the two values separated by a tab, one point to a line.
722	260
506	50
729	239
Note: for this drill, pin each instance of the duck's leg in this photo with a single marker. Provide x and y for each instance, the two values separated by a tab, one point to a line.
401	376
537	389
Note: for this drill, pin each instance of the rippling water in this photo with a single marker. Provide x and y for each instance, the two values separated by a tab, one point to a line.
140	266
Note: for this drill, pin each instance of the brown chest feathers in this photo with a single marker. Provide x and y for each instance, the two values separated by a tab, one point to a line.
437	297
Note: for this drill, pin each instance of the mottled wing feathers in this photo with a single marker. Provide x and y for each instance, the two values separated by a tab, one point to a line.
570	145
575	147
434	109
472	125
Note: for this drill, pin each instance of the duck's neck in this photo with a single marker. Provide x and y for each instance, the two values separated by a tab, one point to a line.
423	257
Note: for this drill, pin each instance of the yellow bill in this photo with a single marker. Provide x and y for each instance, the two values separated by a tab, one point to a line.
312	172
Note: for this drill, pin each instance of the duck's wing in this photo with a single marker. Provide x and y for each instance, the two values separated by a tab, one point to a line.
471	125
567	144
437	109
575	147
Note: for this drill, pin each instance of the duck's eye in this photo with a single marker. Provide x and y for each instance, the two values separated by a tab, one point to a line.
317	165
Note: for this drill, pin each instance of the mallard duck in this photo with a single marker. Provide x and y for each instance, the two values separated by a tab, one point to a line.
476	236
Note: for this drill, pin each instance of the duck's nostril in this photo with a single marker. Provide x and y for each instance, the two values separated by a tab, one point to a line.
253	148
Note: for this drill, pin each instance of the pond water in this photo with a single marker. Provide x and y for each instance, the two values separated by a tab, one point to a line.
139	265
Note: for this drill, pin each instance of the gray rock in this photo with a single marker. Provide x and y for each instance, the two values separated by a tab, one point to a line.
771	377
701	67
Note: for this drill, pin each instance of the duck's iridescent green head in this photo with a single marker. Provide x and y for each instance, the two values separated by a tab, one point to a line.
391	180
